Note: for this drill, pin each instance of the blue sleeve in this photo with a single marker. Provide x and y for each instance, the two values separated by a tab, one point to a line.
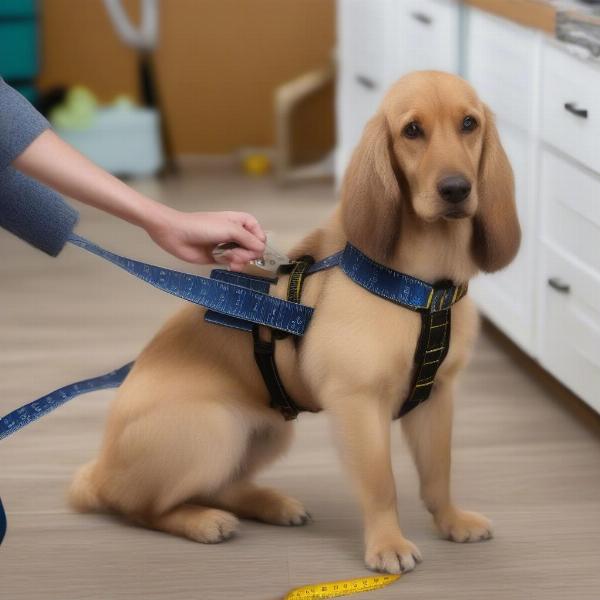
20	124
33	212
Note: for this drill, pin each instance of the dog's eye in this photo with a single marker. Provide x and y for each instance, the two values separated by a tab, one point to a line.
469	123
412	130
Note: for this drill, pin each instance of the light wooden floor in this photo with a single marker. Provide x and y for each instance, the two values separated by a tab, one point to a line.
519	456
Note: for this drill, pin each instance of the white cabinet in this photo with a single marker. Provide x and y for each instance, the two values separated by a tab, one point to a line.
570	319
380	40
569	270
424	34
502	63
362	79
569	275
571	105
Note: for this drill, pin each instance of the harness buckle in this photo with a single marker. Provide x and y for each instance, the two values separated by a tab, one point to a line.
444	295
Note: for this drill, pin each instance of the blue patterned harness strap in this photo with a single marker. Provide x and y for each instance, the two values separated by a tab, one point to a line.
397	287
223	297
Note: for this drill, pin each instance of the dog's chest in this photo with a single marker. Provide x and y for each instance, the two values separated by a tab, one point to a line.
361	343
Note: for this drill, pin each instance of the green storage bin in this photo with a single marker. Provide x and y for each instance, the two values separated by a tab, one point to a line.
18	8
18	48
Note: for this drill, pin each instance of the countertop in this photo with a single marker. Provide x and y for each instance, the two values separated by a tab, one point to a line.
572	21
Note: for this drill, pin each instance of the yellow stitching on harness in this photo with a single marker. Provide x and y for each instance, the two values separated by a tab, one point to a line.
429	299
430	382
434	350
455	294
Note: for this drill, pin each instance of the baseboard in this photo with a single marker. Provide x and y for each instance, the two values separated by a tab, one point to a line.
557	392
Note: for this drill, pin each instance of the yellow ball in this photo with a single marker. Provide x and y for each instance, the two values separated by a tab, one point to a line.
256	164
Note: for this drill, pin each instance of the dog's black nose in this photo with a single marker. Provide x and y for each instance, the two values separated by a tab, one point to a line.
454	189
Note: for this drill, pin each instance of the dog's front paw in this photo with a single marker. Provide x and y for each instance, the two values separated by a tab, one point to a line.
392	554
464	526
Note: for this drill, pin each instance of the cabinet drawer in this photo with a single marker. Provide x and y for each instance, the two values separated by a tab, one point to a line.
570	324
502	61
363	39
570	203
571	105
424	34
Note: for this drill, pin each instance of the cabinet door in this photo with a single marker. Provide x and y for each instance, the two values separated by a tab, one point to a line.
570	313
362	36
424	35
507	297
362	39
502	64
571	105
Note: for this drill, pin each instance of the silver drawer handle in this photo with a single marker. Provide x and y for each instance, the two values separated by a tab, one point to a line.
366	82
578	112
422	18
559	285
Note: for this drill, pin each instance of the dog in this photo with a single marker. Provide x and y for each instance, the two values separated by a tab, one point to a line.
429	192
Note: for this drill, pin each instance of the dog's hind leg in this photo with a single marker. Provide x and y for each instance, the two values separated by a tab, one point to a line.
428	430
250	501
153	469
197	523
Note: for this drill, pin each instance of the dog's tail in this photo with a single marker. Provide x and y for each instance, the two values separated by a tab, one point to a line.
83	494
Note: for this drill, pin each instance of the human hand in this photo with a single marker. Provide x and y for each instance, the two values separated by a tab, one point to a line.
193	236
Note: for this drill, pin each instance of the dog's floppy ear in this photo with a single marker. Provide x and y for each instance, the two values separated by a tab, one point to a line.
496	230
371	197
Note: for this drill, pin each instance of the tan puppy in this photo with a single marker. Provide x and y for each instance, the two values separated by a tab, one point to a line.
429	192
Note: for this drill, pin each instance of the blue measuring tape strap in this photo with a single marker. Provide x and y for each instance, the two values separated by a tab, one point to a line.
258	284
19	418
221	296
326	263
392	285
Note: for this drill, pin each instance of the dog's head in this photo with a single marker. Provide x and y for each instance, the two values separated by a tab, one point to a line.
433	152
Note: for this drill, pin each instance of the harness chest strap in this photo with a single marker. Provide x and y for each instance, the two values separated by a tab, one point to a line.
264	350
432	302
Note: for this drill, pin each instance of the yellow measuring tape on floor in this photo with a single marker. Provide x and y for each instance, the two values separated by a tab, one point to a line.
319	591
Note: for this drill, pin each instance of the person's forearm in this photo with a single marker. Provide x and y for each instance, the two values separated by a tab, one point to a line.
55	163
189	236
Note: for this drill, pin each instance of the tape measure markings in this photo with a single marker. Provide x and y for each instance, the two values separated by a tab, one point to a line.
346	587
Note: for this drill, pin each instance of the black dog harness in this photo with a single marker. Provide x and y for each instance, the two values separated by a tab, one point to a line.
433	302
